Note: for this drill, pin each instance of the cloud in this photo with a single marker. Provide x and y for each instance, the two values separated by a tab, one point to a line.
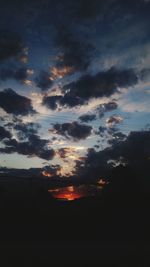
70	152
102	84
26	130
53	102
74	52
87	117
4	133
116	137
101	131
43	80
18	74
113	120
63	152
75	130
60	72
106	107
51	171
134	150
33	147
15	104
6	73
87	9
144	74
10	45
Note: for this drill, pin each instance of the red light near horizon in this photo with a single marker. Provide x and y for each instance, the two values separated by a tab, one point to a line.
71	193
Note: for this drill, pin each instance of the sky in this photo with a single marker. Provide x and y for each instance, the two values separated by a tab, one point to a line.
74	86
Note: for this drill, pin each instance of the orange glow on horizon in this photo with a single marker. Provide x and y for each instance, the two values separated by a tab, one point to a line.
46	174
69	193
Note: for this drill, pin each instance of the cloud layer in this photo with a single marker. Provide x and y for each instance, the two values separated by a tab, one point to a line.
34	147
15	104
72	130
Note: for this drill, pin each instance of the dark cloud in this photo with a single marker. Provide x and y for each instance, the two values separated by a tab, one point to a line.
110	133
31	172
116	137
119	135
43	81
10	45
19	74
70	100
86	9
74	50
15	104
75	130
6	73
135	148
26	130
144	74
12	172
112	120
4	133
102	84
106	107
87	117
97	146
101	131
63	152
133	151
33	147
67	100
51	170
52	101
2	119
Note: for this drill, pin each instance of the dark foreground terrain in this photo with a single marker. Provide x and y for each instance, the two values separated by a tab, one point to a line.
112	229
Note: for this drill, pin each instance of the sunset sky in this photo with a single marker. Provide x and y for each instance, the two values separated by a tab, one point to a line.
74	84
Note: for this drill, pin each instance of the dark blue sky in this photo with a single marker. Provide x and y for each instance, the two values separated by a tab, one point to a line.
74	80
